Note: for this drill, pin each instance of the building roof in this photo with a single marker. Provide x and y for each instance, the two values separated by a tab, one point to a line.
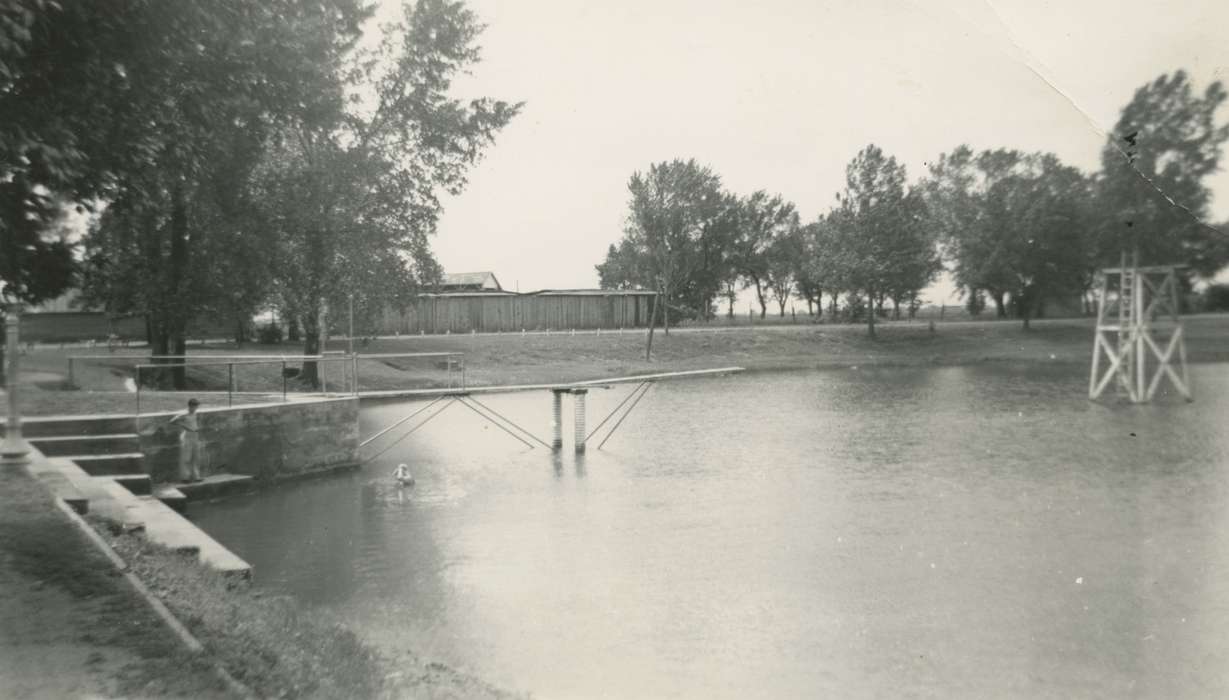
469	279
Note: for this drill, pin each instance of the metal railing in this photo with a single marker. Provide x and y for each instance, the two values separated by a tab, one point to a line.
454	365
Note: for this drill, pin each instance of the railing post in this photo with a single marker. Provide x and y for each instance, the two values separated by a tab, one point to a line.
324	370
230	383
138	390
354	361
578	399
283	380
462	371
15	450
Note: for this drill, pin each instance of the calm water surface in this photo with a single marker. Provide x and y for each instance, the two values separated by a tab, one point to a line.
971	532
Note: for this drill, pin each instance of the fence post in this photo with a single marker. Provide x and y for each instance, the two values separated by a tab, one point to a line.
324	370
462	371
230	383
283	380
354	360
71	380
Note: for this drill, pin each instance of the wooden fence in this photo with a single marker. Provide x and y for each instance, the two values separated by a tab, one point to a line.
508	312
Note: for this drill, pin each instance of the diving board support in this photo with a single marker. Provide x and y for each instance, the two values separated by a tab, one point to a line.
578	399
646	386
556	442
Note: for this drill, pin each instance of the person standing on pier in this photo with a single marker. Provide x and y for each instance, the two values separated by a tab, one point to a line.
189	442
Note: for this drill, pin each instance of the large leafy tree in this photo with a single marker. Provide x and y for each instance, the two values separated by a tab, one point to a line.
1040	213
180	227
1013	225
676	238
1151	192
764	221
353	195
880	246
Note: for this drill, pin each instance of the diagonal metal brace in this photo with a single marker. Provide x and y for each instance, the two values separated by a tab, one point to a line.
409	432
462	400
647	386
627	398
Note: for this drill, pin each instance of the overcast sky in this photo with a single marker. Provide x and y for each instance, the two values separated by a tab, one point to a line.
780	95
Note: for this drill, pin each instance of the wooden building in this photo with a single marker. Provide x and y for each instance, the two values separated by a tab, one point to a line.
508	312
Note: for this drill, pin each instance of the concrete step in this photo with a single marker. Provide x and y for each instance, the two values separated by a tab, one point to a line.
172	497
61	445
170	529
216	486
110	465
51	426
138	484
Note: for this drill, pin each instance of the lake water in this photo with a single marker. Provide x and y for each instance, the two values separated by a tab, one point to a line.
954	532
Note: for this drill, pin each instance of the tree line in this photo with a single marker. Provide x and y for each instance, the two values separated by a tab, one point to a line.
235	155
1019	230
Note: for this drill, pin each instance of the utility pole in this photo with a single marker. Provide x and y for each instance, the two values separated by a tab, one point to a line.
350	335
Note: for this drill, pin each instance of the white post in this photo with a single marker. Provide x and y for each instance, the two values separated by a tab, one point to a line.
15	450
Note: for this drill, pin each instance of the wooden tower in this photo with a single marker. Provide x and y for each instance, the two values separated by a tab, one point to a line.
1138	331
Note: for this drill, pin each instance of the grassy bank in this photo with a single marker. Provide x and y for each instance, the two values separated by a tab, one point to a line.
275	646
70	626
536	358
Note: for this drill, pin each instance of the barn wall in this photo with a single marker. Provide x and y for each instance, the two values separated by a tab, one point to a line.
513	313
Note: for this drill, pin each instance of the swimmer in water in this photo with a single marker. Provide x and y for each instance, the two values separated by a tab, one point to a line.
402	475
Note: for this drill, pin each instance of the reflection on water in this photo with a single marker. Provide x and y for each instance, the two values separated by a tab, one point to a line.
974	532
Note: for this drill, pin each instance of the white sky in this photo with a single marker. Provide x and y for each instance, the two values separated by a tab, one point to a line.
780	95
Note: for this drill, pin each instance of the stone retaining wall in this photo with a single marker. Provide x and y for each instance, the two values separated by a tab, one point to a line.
267	441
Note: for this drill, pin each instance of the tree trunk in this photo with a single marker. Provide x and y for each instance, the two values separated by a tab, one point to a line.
665	312
292	329
1000	308
241	332
179	373
781	303
870	314
311	345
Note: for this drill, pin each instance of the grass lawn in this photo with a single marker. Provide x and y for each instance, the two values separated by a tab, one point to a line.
535	358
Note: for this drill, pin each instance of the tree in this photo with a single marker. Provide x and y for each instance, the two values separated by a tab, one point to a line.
1041	210
179	225
346	186
803	249
1151	191
880	246
956	194
763	220
678	223
1013	224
